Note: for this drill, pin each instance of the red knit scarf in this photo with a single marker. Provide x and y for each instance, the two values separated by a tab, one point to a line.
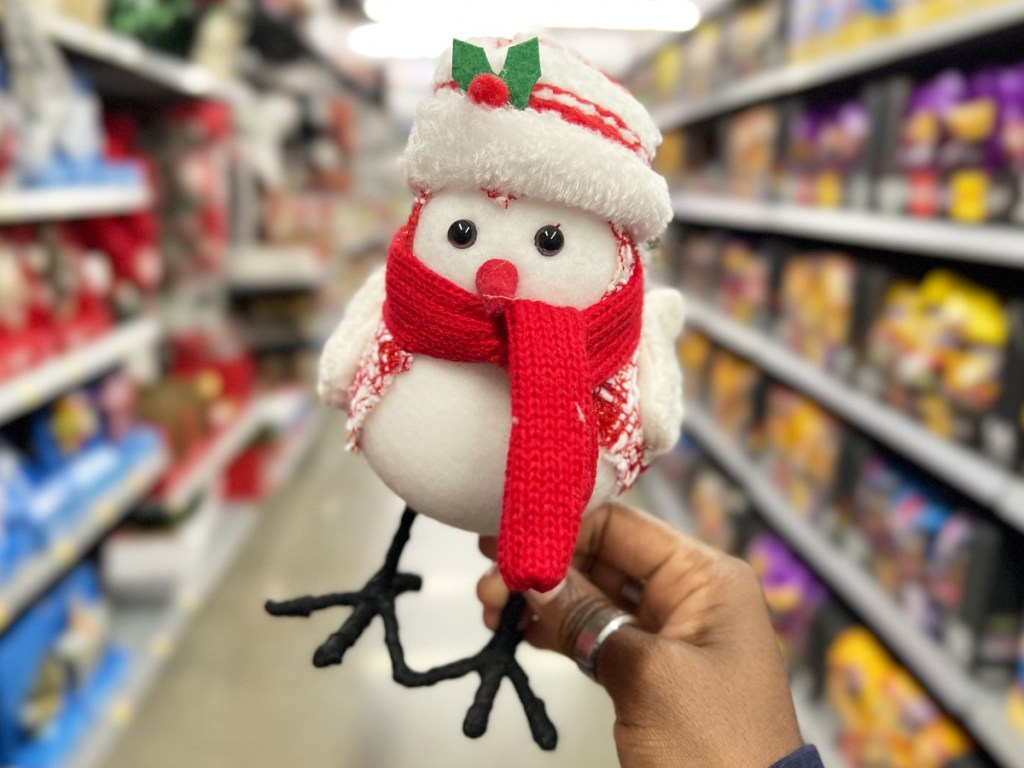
555	357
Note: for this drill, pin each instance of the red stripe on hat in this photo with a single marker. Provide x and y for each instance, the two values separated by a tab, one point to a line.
598	121
592	122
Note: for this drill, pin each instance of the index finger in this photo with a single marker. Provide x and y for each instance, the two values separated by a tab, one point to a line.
627	544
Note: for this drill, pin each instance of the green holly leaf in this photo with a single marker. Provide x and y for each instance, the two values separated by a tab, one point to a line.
468	61
521	71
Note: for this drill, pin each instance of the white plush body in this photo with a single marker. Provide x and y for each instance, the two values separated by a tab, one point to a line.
439	439
439	435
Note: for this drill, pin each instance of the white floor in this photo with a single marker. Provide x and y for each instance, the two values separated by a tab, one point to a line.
241	690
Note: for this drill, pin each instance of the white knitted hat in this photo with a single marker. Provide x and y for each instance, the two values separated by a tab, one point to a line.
577	138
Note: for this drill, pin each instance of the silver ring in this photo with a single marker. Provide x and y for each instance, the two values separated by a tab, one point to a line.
599	627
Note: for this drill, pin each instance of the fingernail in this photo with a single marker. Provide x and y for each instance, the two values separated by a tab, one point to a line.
543	598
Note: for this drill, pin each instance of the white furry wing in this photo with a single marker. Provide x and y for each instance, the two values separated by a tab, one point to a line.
345	347
659	377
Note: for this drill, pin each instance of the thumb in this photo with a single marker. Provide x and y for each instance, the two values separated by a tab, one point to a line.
563	613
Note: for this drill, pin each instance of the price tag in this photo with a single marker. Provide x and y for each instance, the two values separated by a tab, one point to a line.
162	646
63	551
122	712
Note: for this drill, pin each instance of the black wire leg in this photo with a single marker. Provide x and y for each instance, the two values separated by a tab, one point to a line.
377	598
494	661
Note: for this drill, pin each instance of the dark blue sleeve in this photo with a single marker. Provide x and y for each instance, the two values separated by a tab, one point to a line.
805	757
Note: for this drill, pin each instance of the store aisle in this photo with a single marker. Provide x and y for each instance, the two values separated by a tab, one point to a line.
241	689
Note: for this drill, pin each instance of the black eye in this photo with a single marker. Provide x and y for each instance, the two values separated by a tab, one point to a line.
549	240
462	233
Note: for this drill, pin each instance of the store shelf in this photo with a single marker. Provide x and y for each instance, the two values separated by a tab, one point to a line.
152	633
989	244
286	407
19	206
277	268
23	393
964	469
787	80
930	663
33	577
296	447
185	489
138	65
276	410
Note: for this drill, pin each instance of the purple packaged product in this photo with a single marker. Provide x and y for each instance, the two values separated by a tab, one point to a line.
1011	135
798	178
792	592
912	183
840	156
970	158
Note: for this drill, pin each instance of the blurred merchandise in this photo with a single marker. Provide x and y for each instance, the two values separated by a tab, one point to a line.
59	671
828	158
92	13
942	350
700	264
703	51
59	462
191	150
802	447
721	514
732	395
220	37
299	217
170	26
816	309
50	125
131	241
887	720
950	569
745	289
751	151
792	592
204	395
27	334
695	351
753	39
1015	702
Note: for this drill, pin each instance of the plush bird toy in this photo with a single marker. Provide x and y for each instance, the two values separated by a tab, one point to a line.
506	372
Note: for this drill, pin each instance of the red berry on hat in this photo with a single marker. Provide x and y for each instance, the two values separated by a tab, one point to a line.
488	90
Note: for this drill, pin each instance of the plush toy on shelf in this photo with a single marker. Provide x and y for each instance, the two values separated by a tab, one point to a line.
505	372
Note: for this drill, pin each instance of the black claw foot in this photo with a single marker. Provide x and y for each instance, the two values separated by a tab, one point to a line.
377	598
495	661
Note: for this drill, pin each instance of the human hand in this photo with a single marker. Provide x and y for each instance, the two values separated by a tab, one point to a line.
699	680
